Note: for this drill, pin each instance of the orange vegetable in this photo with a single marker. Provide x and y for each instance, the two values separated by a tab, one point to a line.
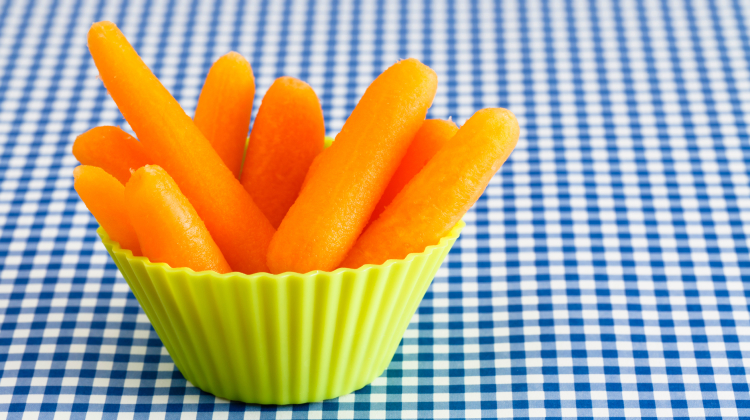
429	139
174	142
288	133
439	195
339	197
224	108
168	228
313	167
104	196
111	149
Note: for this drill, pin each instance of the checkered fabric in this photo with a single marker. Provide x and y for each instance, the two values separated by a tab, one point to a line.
604	273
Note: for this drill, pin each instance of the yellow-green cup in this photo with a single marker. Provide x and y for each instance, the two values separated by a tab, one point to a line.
282	339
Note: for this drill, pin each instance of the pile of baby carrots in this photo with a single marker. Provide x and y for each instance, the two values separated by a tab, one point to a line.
187	192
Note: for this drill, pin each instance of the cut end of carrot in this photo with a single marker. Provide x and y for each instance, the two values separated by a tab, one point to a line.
420	67
504	118
235	56
292	82
152	170
101	29
237	61
77	171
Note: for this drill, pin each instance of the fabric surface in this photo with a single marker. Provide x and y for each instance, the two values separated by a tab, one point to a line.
604	273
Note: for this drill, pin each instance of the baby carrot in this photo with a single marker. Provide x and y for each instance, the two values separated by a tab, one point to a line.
104	196
313	167
174	142
432	135
111	149
224	108
168	228
287	135
339	197
439	195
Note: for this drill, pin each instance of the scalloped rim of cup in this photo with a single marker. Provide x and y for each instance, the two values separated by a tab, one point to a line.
453	234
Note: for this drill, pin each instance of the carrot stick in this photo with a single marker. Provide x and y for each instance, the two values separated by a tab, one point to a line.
439	195
104	196
339	197
224	108
429	139
287	135
174	142
318	161
111	149
313	167
168	228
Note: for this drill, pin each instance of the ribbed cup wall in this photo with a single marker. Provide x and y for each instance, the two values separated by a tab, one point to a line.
287	338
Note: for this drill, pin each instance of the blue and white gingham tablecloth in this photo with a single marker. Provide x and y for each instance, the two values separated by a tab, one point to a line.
604	273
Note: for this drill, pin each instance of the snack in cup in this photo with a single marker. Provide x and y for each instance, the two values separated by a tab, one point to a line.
209	242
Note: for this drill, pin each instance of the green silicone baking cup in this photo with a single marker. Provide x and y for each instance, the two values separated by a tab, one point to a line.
287	338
